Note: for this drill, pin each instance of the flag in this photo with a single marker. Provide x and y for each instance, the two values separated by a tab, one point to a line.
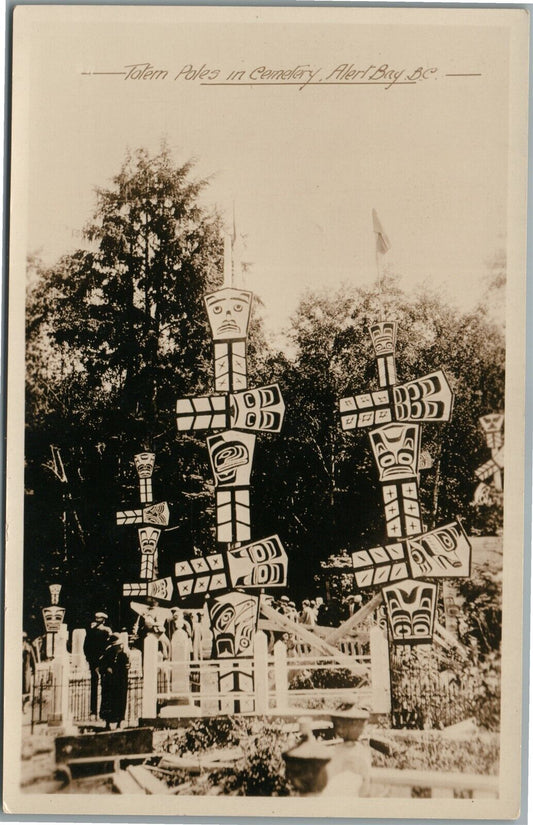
382	242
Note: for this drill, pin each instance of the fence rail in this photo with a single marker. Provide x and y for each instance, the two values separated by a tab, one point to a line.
440	785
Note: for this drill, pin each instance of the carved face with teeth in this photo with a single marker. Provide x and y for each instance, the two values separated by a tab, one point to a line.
383	337
144	464
148	538
228	311
411	611
395	449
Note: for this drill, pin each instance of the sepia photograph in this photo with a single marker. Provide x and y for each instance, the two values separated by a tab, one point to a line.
265	412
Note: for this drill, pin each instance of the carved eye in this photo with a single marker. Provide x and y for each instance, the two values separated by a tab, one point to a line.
405	457
217	310
237	307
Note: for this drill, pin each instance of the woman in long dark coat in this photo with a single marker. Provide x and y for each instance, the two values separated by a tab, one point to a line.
114	666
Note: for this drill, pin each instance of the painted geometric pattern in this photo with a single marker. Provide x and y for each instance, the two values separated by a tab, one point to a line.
209	412
161	589
230	366
402	510
233	515
429	398
380	565
200	575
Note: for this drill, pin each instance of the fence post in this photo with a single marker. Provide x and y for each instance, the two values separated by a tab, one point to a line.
261	672
60	690
380	671
149	702
78	660
281	675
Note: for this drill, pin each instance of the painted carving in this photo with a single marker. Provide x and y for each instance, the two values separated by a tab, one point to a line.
231	456
233	624
205	574
383	336
53	618
160	589
411	607
258	564
158	514
228	311
259	410
425	399
492	425
441	553
396	449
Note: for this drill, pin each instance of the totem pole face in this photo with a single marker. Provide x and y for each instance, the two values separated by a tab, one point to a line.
261	409
55	590
492	425
425	399
411	609
396	449
228	310
53	618
233	624
148	538
231	455
144	464
441	553
260	564
384	337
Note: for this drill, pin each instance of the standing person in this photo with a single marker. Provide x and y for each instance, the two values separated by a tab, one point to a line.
93	647
114	667
307	615
28	669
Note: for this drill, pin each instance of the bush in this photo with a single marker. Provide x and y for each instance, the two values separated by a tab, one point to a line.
260	772
433	752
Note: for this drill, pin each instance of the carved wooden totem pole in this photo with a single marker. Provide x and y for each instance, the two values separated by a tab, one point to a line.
400	569
234	414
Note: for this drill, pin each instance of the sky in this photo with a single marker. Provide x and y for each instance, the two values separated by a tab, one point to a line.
304	166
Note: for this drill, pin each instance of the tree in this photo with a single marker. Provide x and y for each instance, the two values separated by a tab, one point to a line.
115	334
326	491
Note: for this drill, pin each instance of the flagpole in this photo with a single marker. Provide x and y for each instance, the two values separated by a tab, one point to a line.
380	287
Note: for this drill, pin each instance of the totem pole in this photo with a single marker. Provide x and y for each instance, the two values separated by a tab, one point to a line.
152	517
237	414
400	569
492	426
53	616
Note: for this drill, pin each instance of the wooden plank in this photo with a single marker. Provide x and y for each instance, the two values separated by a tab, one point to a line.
123	782
147	781
362	614
435	779
310	639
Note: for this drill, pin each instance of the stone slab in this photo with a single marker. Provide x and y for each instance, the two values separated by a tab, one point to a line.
106	743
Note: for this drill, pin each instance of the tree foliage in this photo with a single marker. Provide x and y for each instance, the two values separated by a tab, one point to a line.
116	332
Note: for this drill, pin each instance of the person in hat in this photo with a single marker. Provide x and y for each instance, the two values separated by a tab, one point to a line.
114	667
95	643
28	669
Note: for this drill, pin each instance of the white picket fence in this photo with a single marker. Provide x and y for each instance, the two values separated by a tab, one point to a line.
265	682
